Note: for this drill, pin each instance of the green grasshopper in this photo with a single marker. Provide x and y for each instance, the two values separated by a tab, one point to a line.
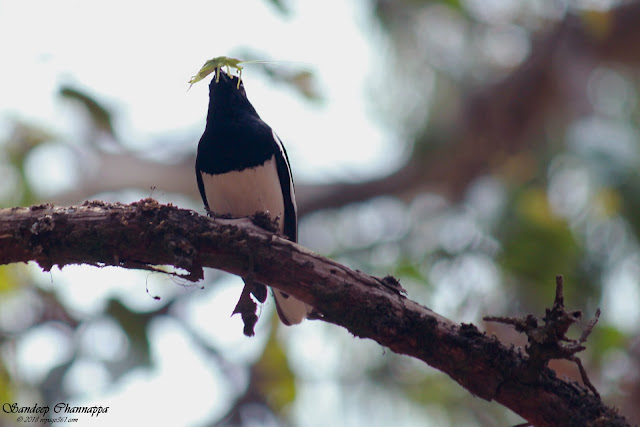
227	62
215	64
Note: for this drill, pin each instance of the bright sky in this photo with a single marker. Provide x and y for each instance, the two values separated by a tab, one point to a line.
137	57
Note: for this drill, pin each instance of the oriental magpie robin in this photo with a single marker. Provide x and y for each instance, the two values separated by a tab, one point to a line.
242	168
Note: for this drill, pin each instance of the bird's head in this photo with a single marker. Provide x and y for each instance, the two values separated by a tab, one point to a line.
227	98
224	86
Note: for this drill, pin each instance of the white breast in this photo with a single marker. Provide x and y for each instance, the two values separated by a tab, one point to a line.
243	193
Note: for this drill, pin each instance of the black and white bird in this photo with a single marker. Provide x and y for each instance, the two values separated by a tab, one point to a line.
242	168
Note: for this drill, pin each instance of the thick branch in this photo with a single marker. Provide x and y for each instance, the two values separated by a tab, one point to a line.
146	234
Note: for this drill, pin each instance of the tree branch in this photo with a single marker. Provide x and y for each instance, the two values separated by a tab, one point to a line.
146	233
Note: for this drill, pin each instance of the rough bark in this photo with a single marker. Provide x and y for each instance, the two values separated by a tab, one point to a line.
146	234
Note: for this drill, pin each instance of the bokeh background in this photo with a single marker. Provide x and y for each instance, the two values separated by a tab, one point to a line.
472	148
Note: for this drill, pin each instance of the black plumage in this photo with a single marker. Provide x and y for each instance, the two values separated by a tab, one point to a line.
242	168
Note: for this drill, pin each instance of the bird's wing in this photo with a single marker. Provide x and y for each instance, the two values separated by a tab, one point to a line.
288	192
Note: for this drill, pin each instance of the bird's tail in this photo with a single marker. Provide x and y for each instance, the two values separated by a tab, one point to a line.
290	310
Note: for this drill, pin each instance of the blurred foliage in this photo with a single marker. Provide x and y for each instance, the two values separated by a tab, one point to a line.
568	206
280	6
7	389
294	75
135	326
629	194
8	278
536	243
273	378
598	21
22	139
100	116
